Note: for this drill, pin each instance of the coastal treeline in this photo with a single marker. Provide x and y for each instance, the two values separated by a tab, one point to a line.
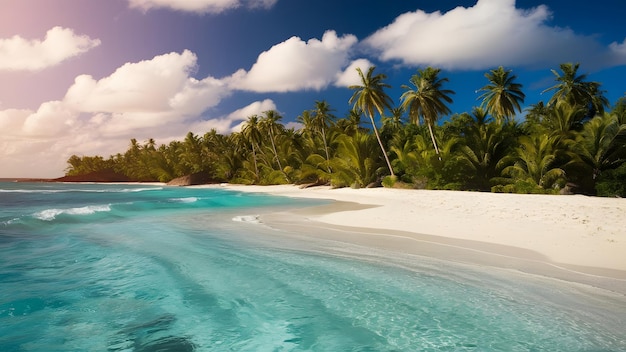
573	142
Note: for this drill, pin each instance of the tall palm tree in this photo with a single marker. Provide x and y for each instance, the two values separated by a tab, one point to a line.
502	96
370	96
427	99
576	90
251	132
270	123
322	119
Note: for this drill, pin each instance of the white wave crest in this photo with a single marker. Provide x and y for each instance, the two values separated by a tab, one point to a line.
125	190
10	222
44	191
184	200
70	190
51	214
254	219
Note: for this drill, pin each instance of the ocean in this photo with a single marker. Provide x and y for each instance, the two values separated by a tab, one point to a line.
119	267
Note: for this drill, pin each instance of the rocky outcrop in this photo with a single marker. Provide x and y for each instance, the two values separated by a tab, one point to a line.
199	178
98	176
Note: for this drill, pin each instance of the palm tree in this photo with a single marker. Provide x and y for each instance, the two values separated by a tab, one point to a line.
619	110
191	154
350	124
485	144
370	96
251	132
322	120
598	145
427	99
535	161
574	89
564	119
394	123
502	96
357	163
269	123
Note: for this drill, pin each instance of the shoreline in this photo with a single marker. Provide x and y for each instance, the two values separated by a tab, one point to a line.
534	234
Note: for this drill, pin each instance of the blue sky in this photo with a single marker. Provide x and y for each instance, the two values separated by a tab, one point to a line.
83	77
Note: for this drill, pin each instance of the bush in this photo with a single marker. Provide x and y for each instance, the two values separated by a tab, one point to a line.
389	181
523	187
612	183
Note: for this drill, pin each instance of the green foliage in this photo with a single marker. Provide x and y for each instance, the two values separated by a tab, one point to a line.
558	143
357	162
502	96
370	96
521	186
612	183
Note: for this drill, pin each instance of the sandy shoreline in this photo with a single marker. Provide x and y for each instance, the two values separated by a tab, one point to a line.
576	238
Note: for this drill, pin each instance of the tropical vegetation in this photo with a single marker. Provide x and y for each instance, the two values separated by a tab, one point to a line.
574	142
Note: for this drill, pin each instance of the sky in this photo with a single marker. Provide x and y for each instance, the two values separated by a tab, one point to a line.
83	77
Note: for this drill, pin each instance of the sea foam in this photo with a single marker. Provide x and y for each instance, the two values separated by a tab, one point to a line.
185	200
51	214
247	218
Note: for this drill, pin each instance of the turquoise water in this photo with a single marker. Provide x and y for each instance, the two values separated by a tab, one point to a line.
148	268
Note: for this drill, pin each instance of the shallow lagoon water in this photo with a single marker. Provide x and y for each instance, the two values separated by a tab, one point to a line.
148	268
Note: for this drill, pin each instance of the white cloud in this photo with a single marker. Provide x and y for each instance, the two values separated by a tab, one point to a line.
51	119
350	76
60	44
141	86
154	98
256	108
11	121
619	49
296	65
146	94
491	33
200	6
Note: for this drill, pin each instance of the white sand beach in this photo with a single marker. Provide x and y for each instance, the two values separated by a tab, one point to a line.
576	234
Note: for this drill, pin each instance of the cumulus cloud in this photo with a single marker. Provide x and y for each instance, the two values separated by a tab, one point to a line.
296	65
491	33
233	121
618	52
161	84
200	6
154	98
350	76
60	44
146	94
52	118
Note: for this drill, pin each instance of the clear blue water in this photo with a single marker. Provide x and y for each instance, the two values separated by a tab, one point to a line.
147	268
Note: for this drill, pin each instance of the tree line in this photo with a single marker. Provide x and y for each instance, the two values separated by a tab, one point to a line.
576	141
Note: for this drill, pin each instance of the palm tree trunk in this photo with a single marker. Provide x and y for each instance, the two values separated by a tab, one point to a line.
382	147
256	168
326	150
432	136
276	156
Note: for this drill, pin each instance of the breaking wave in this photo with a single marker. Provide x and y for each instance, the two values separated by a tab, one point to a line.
51	214
185	200
70	190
